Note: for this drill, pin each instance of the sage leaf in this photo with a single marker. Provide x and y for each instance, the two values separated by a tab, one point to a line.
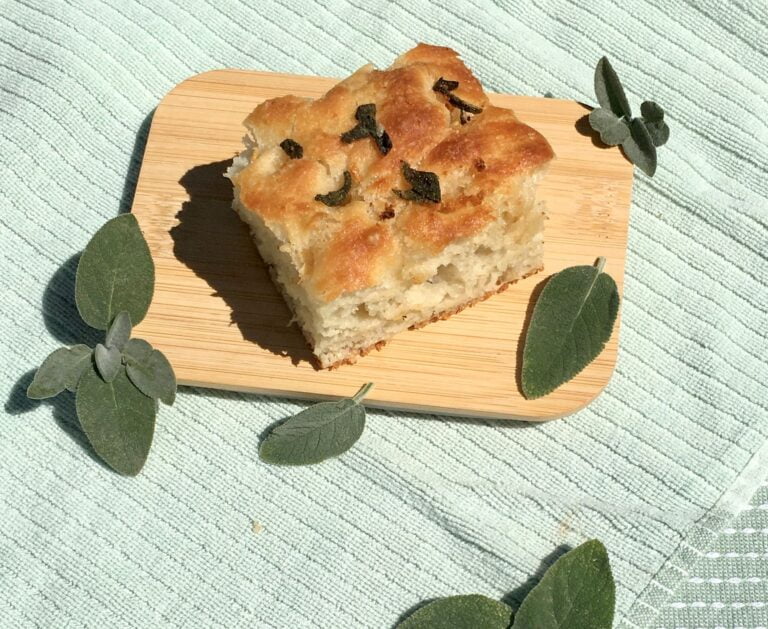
469	611
120	331
317	433
115	273
639	147
571	322
659	132
292	148
651	112
108	361
425	185
117	419
577	591
612	130
61	370
137	350
338	197
653	117
609	91
153	376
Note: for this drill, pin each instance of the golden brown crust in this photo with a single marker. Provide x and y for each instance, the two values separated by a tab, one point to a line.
343	249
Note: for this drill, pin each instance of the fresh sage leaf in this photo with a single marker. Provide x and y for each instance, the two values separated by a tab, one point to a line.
137	350
117	419
153	376
659	132
115	273
612	129
609	91
651	112
337	197
317	433
120	331
61	370
653	117
470	611
571	322
577	591
639	147
108	361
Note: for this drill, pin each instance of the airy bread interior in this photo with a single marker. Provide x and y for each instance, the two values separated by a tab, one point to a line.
339	331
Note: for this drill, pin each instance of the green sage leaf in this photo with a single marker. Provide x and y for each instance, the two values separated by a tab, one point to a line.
639	147
612	130
117	419
659	132
470	611
651	112
653	116
609	91
153	376
108	361
115	273
317	433
61	370
577	591
119	331
137	350
571	322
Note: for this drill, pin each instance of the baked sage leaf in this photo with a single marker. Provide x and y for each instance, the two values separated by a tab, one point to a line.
446	87
115	273
108	361
612	130
368	127
120	331
571	322
61	370
337	197
153	375
639	147
469	611
317	433
425	186
292	148
609	91
577	591
117	419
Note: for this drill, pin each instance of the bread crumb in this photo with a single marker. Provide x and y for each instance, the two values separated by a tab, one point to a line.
257	527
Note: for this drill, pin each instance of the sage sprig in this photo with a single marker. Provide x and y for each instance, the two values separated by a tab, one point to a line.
317	433
577	591
571	322
639	137
116	384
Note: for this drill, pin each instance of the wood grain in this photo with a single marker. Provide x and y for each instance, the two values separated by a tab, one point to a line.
222	324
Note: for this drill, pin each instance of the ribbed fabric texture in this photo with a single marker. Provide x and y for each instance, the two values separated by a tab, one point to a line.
208	536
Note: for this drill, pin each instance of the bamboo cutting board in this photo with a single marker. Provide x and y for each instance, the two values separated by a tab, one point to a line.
222	324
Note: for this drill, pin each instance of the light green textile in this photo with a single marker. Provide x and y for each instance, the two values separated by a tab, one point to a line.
423	506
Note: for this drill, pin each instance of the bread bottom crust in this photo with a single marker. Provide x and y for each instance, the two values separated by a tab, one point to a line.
436	317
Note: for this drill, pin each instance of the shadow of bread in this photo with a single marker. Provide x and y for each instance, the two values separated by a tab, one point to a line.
207	233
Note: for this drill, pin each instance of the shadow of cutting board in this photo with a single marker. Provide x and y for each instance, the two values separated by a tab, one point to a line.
222	324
